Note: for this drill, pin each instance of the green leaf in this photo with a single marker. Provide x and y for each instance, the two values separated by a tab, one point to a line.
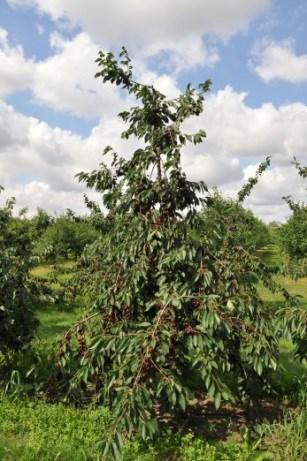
182	402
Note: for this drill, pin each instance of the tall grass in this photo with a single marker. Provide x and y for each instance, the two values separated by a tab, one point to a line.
287	439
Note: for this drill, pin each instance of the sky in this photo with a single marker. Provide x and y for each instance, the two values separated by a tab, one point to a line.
56	118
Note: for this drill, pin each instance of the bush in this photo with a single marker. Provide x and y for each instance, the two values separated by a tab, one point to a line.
30	371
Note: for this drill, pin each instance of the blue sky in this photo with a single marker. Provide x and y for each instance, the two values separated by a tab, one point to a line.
56	118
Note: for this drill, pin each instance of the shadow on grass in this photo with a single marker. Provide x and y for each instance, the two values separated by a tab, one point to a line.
54	322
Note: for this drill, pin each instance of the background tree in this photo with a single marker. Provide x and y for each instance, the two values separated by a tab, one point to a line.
17	289
65	237
40	222
293	234
293	237
235	223
172	314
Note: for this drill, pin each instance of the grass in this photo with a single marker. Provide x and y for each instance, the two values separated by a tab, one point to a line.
44	270
37	431
295	287
287	439
290	373
273	257
53	322
54	319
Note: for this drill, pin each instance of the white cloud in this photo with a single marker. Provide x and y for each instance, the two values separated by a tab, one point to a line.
172	31
275	183
238	130
151	26
278	60
187	53
43	161
16	70
31	149
35	158
214	168
239	137
65	81
165	20
38	163
38	194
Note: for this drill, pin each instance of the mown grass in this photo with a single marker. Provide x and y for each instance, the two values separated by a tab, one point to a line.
294	287
53	322
54	319
44	270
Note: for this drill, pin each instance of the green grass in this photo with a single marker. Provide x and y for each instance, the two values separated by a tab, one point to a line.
295	287
36	431
54	319
271	255
44	270
291	373
287	439
53	322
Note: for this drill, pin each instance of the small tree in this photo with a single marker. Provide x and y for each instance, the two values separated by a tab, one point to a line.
172	314
17	321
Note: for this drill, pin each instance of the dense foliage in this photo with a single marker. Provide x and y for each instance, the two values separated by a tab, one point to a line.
65	237
237	224
174	312
294	233
17	289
